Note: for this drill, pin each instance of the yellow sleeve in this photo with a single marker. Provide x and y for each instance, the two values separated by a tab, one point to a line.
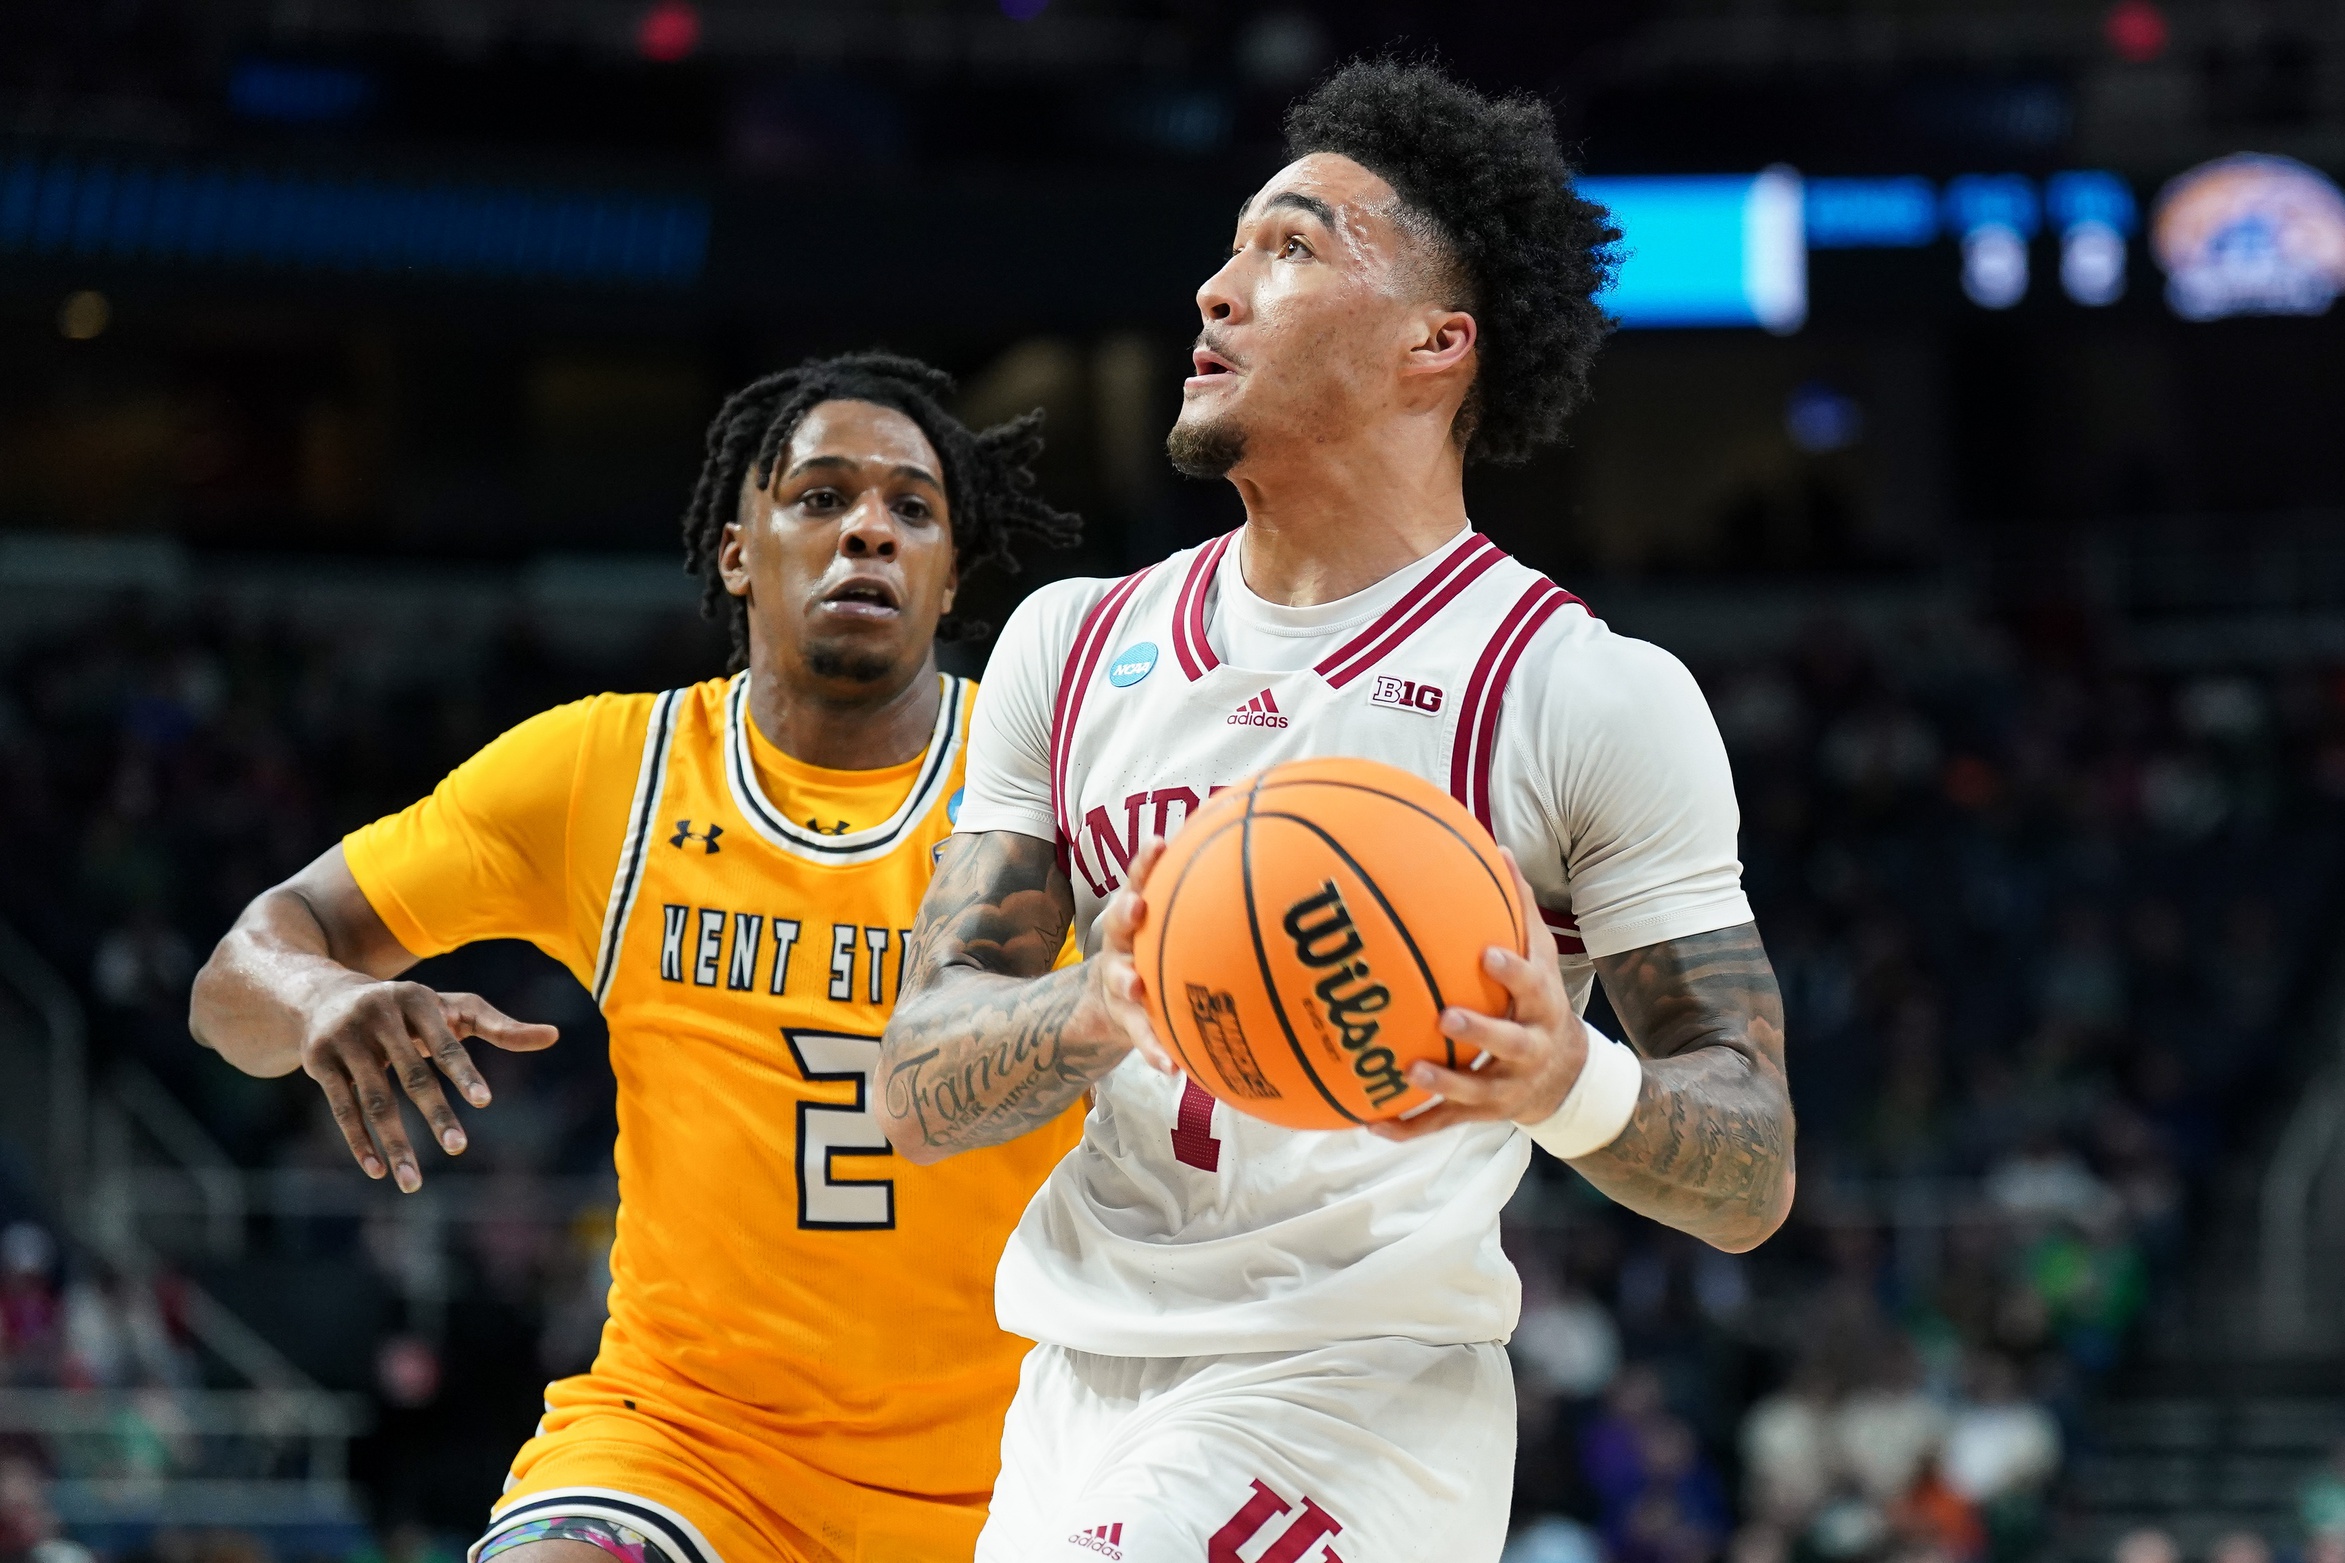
518	842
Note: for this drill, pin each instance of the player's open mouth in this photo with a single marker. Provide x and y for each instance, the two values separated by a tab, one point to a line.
1208	366
861	599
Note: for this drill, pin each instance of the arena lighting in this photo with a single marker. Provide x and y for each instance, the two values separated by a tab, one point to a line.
1995	215
2095	214
669	32
2250	234
1702	250
216	214
2136	30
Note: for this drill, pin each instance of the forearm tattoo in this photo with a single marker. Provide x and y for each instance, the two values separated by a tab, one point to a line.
987	1041
1708	1150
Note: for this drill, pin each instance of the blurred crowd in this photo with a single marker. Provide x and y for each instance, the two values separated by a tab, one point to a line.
2040	924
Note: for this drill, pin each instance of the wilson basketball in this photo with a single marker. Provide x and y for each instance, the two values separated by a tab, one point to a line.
1306	928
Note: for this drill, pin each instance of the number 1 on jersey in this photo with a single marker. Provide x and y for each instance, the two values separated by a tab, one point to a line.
1192	1136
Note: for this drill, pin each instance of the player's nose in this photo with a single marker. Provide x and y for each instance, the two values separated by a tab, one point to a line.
869	530
1219	300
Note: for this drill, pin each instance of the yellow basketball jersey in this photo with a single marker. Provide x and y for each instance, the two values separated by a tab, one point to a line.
777	1267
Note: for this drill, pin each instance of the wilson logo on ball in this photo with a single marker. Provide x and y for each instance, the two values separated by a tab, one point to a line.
1326	939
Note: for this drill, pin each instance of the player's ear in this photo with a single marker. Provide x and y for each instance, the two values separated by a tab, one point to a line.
733	559
1444	339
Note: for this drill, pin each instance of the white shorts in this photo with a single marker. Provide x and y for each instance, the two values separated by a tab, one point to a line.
1377	1451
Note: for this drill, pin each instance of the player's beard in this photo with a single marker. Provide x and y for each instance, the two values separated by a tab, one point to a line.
1206	448
848	664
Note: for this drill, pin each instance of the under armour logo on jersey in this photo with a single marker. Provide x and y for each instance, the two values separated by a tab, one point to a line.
707	838
1297	1537
820	829
1261	711
1106	1540
1404	694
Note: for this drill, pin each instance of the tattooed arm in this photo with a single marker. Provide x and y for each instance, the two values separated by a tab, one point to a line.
987	1041
1708	1148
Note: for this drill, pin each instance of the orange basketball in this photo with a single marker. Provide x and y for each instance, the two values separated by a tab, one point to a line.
1305	929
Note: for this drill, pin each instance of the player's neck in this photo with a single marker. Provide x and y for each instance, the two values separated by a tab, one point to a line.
1330	521
850	730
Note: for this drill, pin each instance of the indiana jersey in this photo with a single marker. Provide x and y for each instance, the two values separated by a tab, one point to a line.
779	1275
1112	709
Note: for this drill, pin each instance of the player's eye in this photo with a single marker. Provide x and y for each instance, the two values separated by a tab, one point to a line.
913	508
1294	248
822	501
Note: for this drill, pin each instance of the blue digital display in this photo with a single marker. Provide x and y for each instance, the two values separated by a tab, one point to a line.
96	208
1977	201
2091	196
1855	214
1706	250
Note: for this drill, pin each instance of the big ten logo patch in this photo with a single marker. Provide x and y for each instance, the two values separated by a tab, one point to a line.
1405	694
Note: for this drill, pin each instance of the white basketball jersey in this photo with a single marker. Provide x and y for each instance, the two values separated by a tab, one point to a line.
1180	1226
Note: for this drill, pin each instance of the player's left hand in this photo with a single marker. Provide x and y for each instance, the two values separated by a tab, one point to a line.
1532	1057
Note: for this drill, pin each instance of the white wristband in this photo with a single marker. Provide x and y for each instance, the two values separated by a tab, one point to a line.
1598	1106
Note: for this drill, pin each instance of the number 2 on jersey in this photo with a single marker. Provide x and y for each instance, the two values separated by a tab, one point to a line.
1192	1136
826	1132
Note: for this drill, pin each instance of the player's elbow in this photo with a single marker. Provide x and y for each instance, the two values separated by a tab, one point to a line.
1761	1219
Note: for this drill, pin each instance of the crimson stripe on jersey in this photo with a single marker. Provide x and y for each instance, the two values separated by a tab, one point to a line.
1566	929
1091	637
1188	626
1486	724
1462	746
1364	650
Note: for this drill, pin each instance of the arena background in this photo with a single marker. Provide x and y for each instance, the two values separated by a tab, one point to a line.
1977	433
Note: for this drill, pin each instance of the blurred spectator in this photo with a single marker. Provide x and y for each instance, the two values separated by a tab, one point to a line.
1553	1539
1888	1431
1789	1450
2320	1503
2240	1546
2147	1545
29	1531
2001	1452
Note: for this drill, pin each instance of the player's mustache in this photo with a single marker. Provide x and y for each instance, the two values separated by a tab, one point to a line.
1209	343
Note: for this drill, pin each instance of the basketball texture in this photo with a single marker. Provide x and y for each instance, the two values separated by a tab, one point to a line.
1306	928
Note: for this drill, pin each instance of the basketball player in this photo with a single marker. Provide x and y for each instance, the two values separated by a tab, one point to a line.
800	1362
1284	1346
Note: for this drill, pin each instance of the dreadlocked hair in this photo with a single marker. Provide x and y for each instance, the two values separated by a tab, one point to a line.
988	476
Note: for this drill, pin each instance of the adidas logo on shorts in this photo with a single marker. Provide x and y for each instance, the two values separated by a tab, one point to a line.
1261	711
1106	1540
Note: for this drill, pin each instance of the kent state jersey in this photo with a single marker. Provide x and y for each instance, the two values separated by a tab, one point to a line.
774	1259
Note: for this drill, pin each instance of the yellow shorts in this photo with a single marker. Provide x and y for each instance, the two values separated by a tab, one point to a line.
707	1493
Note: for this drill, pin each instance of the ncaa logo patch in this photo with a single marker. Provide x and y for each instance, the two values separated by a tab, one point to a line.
1132	664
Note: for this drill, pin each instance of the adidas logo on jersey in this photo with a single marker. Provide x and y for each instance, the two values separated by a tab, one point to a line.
1106	1540
1261	711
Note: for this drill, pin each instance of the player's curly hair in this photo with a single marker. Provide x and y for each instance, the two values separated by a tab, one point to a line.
1485	181
988	475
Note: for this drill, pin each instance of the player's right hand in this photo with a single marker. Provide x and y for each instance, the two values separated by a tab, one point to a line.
364	1034
1120	987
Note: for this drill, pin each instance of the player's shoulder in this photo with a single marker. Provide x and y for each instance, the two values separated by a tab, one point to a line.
1576	661
619	719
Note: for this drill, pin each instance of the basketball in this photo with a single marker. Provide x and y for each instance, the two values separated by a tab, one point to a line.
1306	928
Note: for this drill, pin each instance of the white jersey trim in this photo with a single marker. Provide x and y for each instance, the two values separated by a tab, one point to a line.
862	846
651	780
672	1532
